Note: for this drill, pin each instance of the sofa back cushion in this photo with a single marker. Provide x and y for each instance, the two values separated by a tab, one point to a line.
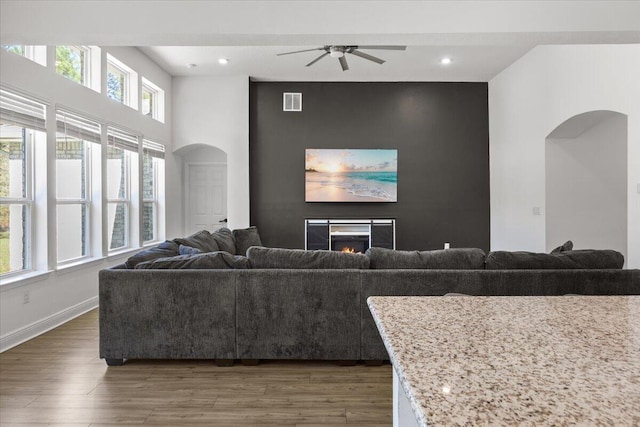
245	238
202	240
580	259
164	249
208	260
446	259
224	239
261	257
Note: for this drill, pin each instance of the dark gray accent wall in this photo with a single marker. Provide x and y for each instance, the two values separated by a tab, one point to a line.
441	132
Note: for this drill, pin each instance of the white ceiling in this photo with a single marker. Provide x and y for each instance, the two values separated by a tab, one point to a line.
482	37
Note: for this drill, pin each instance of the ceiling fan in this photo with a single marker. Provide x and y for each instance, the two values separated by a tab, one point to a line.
338	51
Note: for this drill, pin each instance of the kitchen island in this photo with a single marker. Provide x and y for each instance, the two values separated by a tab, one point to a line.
513	360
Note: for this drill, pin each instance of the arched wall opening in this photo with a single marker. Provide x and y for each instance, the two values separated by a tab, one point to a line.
205	188
586	182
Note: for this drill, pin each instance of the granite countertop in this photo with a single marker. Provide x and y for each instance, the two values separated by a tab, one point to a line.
515	360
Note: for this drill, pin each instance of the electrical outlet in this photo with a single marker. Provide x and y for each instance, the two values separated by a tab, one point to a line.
447	245
536	210
26	297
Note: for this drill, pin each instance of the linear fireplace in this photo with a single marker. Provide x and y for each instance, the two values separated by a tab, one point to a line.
355	235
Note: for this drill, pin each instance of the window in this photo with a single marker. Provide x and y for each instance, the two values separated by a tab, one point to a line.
22	123
122	176
152	100
73	63
76	138
121	83
36	54
152	180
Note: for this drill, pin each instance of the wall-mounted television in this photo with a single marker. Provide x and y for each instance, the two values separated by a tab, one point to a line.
351	175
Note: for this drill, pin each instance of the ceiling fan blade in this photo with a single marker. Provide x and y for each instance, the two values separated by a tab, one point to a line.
367	56
317	59
383	47
299	51
343	63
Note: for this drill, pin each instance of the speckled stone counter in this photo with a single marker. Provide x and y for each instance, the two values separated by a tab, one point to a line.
562	360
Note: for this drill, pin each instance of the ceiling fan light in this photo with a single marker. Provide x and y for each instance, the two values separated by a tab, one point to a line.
445	61
335	52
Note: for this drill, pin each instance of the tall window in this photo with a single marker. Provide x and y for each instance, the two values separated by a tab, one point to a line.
152	177
121	154
121	82
75	139
22	122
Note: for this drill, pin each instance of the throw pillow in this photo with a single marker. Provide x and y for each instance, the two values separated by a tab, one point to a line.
245	238
164	249
202	240
566	246
210	260
300	259
188	250
447	259
224	239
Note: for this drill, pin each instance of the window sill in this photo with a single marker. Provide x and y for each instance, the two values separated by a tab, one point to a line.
24	279
122	253
79	265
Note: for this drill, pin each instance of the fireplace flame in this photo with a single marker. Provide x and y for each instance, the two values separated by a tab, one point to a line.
348	250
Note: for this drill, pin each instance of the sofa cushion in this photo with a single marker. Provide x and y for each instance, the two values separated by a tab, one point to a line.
224	240
446	259
580	259
209	260
245	238
188	250
566	246
164	249
261	257
202	240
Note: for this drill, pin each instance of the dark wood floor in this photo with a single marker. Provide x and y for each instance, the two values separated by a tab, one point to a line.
58	379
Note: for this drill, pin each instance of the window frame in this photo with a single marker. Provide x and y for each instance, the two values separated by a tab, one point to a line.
87	66
130	82
27	201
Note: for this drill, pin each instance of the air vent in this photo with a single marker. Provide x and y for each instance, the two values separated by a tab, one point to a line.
291	101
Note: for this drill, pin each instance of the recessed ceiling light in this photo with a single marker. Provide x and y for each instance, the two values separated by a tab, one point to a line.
223	61
192	65
445	61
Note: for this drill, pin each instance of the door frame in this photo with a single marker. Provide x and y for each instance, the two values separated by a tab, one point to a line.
186	212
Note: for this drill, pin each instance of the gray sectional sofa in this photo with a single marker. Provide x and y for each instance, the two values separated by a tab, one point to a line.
294	304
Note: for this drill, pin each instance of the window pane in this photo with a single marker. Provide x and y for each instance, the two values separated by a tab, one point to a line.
71	237
70	62
14	48
71	159
116	83
13	162
148	221
148	178
118	225
14	224
147	102
116	173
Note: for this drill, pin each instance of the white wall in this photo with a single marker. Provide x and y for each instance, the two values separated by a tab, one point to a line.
531	98
586	187
214	111
60	295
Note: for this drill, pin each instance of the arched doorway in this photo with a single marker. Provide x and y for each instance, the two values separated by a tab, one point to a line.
586	182
204	187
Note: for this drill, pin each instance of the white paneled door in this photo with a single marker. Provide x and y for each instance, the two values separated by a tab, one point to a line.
206	196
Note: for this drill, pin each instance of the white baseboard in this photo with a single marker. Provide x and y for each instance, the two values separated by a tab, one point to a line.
31	331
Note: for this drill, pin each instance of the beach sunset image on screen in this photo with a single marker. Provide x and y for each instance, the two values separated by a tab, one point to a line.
351	175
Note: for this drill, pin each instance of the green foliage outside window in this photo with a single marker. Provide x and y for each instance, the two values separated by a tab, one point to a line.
14	48
70	62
